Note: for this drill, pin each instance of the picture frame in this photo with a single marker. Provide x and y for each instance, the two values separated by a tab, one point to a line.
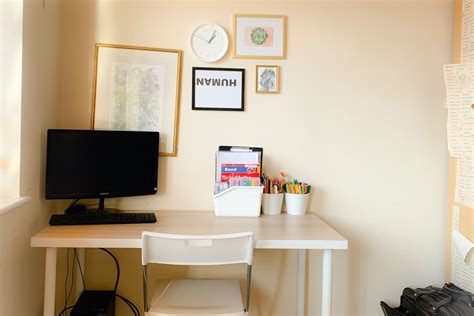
138	88
259	36
267	79
218	89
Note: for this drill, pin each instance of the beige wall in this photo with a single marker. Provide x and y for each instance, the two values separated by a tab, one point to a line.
362	83
22	267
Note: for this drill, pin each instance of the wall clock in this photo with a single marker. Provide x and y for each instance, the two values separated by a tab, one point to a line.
209	42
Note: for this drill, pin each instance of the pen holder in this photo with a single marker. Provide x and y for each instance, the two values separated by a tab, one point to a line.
271	204
296	203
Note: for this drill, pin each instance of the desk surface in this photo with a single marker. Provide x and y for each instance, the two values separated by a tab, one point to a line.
270	232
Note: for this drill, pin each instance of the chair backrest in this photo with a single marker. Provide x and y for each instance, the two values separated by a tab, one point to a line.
197	249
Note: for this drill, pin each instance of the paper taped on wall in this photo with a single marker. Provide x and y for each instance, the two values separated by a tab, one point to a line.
459	80
467	41
462	244
462	267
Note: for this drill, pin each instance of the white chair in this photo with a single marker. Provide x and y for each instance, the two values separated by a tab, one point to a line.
197	296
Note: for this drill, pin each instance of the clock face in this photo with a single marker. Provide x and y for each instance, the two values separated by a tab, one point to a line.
209	42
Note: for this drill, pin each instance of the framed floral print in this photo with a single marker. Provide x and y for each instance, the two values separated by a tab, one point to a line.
137	89
259	36
267	79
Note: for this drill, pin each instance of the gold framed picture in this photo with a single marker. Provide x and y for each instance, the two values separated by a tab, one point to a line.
267	79
138	89
257	36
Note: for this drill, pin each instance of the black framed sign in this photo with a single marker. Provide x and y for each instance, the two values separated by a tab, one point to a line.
219	89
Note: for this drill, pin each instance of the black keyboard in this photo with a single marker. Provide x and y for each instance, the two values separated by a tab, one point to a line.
94	218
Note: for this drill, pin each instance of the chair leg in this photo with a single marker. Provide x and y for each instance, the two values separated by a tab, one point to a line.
247	288
145	289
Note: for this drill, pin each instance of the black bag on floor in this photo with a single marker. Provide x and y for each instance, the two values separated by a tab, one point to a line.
433	301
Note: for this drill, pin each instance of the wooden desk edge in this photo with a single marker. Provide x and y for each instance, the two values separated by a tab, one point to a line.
42	242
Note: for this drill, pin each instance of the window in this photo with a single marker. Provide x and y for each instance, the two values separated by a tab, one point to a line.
11	21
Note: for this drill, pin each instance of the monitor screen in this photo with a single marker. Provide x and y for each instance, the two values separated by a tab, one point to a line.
100	164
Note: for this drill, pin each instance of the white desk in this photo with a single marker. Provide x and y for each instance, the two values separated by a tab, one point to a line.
270	232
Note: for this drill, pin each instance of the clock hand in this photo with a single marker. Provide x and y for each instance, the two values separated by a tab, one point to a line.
203	39
212	37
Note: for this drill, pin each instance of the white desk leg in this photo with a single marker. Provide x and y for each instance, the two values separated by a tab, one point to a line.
327	282
79	288
50	282
300	282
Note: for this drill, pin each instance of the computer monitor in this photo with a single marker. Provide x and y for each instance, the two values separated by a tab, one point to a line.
88	164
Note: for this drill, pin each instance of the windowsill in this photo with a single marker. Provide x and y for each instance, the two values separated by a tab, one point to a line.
8	204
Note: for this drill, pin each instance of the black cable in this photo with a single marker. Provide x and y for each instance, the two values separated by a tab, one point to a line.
72	203
133	305
65	282
73	277
67	294
80	269
65	309
130	304
116	265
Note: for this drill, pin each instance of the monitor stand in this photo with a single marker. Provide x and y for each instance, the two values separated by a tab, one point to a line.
102	208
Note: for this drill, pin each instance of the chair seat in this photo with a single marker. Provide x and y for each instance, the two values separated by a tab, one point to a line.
193	297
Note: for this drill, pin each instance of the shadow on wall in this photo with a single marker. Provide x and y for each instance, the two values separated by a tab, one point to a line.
316	199
78	21
267	298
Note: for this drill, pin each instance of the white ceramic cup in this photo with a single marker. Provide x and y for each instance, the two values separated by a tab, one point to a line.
271	203
296	203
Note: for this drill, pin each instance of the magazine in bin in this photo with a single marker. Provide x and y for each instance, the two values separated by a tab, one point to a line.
238	191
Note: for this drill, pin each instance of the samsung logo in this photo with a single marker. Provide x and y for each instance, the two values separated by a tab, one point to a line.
104	193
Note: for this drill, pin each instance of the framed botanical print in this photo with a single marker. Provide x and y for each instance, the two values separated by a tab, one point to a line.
267	79
219	89
259	36
138	89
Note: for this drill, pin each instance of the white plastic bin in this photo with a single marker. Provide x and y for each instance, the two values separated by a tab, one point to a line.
239	201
